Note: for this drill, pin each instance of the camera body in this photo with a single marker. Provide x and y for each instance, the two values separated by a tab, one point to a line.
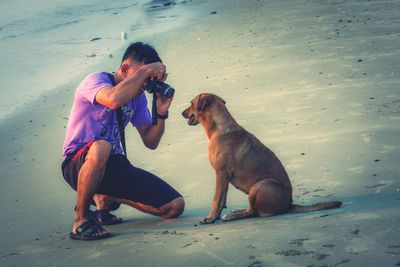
160	87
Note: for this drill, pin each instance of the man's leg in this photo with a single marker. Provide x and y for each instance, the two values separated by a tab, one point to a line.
103	202
140	189
169	210
89	178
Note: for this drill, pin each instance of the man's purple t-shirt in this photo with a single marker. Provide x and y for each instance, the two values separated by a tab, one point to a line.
90	120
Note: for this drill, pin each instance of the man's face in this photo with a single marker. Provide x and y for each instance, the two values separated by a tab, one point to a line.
130	67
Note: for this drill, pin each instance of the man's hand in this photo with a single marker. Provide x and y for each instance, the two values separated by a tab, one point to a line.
151	134
163	103
156	70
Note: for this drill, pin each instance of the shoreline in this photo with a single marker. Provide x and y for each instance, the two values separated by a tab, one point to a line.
90	49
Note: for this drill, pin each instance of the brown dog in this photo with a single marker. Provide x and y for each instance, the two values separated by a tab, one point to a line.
240	158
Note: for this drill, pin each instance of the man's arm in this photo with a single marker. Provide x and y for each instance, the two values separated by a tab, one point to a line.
125	90
151	135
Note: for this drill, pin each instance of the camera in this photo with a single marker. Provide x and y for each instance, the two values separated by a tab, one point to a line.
157	86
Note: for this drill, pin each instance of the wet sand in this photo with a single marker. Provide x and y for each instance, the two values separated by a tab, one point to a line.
317	82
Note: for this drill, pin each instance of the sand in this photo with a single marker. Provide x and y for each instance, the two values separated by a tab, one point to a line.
316	81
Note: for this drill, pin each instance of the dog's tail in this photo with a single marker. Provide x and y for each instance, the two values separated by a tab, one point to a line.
315	207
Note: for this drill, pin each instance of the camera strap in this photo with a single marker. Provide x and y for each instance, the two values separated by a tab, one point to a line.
121	129
154	110
120	120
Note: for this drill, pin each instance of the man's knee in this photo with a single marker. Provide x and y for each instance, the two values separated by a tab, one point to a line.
99	152
175	208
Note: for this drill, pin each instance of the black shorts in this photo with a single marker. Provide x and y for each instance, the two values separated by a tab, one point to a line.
122	180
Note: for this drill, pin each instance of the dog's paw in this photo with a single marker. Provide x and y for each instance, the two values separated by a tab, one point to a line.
207	220
228	217
225	217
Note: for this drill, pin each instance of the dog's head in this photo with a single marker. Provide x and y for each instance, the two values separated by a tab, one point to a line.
199	107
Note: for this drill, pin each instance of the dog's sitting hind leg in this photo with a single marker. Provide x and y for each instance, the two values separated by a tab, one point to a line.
238	214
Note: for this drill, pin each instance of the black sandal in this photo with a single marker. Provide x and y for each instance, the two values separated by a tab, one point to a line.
89	230
114	206
104	217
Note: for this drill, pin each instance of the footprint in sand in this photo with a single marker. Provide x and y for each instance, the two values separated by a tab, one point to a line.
378	187
387	149
94	255
355	105
31	249
367	137
357	169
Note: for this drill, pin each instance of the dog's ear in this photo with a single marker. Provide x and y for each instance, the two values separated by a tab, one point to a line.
202	103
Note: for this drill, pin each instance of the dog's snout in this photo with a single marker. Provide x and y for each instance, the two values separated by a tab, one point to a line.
187	112
184	114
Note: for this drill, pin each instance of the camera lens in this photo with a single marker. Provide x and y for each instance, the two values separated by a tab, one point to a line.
162	88
168	91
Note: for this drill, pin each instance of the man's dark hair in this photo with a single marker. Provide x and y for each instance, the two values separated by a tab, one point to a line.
141	52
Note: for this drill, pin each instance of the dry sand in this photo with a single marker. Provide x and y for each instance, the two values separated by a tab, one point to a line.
316	81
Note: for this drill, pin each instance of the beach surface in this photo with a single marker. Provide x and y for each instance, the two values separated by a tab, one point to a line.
315	81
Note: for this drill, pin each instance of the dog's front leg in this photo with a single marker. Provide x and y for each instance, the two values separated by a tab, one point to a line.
219	201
